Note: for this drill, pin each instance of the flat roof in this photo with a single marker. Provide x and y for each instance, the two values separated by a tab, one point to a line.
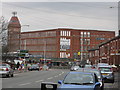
66	29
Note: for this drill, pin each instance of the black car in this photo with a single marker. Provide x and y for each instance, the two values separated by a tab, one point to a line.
34	67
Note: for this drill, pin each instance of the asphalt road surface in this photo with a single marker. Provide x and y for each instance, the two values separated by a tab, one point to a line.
33	79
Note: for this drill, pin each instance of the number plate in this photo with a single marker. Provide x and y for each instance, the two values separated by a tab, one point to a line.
104	74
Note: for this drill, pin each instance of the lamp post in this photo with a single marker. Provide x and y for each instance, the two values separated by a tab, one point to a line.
78	54
20	35
24	46
45	47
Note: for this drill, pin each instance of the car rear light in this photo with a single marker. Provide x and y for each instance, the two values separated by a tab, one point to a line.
98	68
7	69
111	69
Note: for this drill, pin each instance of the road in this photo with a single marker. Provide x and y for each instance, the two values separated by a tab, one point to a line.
33	79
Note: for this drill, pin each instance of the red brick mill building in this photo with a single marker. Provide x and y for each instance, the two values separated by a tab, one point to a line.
55	43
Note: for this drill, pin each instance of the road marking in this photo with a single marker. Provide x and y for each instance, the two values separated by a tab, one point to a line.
39	81
60	74
50	78
55	76
24	84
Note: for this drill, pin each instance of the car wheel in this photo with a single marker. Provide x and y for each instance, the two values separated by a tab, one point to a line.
12	75
7	75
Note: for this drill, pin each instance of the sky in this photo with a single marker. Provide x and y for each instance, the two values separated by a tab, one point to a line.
52	15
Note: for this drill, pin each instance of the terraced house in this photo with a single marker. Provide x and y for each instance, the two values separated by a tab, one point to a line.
106	52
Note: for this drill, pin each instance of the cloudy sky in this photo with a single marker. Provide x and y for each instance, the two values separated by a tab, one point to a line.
50	15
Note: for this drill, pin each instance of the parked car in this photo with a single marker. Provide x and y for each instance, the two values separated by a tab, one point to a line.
88	66
79	81
107	73
115	68
97	72
6	70
34	67
74	68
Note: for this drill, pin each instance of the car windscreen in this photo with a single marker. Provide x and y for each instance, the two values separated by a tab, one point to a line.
2	64
94	71
105	69
79	78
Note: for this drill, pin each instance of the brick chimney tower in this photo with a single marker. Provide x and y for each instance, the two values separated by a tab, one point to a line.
14	31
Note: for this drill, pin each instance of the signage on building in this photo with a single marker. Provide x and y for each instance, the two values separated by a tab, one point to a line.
117	53
112	54
104	57
64	44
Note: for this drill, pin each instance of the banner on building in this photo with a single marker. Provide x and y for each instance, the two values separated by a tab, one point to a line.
64	44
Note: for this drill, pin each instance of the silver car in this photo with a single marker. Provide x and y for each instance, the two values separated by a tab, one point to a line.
74	68
6	70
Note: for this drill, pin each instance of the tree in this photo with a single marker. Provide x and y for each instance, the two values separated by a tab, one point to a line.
3	24
3	36
3	31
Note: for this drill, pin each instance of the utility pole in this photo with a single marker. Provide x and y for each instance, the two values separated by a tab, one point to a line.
25	45
20	38
45	47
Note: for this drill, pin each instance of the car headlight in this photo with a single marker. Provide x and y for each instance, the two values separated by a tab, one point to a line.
101	84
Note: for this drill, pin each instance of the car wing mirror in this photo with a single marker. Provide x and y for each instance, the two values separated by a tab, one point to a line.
97	84
60	81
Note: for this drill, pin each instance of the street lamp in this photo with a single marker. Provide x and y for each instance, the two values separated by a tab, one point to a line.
20	37
44	47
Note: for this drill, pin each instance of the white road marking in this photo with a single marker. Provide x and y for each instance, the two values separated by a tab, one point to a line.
39	81
55	76
60	74
24	84
50	78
